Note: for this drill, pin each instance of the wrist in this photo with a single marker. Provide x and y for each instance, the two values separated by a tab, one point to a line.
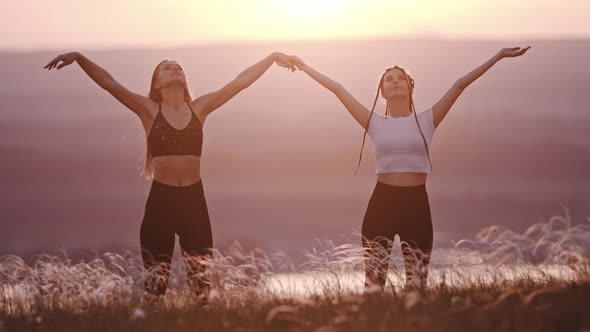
276	55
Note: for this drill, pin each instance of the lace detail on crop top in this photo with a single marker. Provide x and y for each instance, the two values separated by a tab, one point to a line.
397	143
165	140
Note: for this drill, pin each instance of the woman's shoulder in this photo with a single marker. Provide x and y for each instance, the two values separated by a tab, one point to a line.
377	116
426	112
426	117
374	122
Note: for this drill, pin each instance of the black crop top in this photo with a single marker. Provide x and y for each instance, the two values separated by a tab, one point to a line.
165	140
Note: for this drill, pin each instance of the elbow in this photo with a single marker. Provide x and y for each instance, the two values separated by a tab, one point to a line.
335	87
240	84
105	85
461	84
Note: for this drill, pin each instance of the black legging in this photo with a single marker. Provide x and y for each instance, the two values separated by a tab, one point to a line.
403	211
171	210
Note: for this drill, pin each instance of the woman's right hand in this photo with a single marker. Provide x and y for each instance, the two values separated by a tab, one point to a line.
66	59
511	52
297	62
287	61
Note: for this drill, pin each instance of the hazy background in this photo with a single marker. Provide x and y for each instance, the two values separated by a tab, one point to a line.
278	159
35	24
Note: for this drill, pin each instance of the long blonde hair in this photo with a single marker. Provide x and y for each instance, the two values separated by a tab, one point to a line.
156	96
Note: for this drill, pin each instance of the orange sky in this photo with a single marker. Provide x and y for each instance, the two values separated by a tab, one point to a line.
42	24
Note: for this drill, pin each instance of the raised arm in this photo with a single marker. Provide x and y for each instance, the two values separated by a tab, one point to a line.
359	112
211	101
135	102
442	107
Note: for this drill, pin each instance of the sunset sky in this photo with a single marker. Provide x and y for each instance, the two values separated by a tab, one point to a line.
40	24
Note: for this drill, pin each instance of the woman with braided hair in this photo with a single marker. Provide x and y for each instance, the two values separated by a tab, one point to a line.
401	140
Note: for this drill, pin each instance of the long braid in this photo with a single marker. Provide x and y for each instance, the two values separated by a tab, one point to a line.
413	110
369	121
424	139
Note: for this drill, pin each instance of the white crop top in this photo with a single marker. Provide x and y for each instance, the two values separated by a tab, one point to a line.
397	143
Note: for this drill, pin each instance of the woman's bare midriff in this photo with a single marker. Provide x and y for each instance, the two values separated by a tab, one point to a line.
402	179
179	171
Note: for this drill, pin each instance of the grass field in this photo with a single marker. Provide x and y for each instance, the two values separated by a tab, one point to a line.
501	280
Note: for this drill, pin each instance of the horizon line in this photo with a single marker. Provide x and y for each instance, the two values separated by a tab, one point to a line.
262	42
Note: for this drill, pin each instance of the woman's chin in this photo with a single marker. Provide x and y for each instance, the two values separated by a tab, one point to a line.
394	96
175	82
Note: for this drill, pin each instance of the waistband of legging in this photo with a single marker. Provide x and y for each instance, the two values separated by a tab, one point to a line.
404	189
168	187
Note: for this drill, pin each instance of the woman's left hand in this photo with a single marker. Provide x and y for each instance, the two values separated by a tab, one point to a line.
286	61
512	52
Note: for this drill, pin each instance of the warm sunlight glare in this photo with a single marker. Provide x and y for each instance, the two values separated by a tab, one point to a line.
310	9
304	19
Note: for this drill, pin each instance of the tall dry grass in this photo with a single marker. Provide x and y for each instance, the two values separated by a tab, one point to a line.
500	280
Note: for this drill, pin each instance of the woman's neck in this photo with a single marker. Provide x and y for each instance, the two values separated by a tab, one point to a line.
399	107
173	96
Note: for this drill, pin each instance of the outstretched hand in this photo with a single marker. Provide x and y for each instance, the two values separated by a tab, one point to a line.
66	59
290	62
512	52
298	62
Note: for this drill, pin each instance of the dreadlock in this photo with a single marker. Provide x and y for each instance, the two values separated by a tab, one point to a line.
410	82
